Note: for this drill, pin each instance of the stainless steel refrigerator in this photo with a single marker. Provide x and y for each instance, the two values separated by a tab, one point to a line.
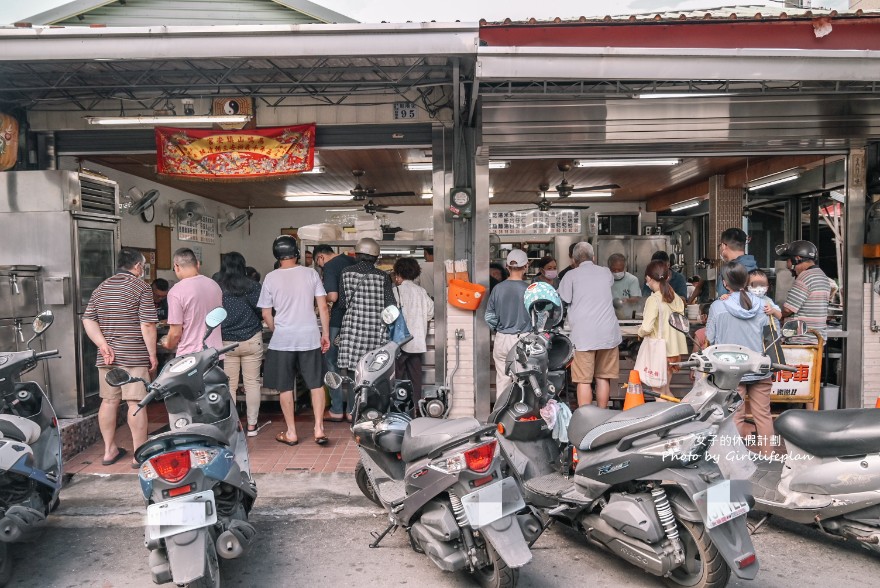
637	250
68	224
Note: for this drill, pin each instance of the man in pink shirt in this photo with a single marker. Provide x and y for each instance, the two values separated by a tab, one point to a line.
189	302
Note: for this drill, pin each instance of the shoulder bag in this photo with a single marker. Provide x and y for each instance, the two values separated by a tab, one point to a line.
398	331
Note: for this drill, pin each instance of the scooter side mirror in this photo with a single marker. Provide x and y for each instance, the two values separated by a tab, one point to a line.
212	321
390	314
794	329
679	322
118	377
333	380
40	324
43	322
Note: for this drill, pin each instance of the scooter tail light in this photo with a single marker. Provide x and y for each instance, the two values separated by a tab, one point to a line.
480	458
746	560
173	466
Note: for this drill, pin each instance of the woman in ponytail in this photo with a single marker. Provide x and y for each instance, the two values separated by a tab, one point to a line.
655	319
739	319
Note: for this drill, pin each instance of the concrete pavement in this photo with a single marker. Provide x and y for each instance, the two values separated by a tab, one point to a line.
314	530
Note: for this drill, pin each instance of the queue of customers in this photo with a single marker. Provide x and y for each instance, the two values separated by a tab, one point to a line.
348	297
739	315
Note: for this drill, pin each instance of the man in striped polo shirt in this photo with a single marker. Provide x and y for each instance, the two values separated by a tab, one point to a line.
809	295
120	319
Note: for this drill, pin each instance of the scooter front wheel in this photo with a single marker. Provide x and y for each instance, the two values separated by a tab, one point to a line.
364	484
703	566
497	574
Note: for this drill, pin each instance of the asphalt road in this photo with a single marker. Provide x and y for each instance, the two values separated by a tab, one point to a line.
314	530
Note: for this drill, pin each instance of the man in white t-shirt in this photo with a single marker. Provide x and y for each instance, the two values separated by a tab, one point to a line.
297	345
426	275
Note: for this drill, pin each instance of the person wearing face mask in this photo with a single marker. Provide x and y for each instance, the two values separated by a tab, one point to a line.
732	247
547	271
626	285
759	284
809	295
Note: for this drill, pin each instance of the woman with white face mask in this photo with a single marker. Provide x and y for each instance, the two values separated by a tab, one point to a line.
547	271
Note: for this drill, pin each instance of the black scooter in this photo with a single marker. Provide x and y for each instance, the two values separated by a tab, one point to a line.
438	479
30	449
195	478
640	483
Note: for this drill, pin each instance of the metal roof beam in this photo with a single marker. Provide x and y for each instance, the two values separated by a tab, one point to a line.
623	63
238	42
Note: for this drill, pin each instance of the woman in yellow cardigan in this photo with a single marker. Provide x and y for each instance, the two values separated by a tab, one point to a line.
655	319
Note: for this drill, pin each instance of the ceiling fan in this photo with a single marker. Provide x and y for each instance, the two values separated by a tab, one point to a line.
359	193
566	189
372	208
544	205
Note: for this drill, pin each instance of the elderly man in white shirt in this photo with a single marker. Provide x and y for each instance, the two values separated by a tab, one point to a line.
595	331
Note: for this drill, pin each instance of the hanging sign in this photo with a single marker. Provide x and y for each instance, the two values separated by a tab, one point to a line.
535	222
234	155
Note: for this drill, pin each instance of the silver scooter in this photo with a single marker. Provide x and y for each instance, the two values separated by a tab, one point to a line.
30	449
830	475
195	478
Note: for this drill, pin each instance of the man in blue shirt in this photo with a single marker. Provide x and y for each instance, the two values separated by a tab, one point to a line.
732	247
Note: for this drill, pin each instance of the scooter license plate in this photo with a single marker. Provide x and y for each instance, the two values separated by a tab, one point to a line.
490	503
717	506
180	515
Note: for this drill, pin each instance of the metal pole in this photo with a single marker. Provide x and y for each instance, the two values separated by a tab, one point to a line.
852	279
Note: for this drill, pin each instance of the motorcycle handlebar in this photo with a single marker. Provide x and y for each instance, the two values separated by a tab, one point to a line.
46	354
685	364
227	349
151	395
782	367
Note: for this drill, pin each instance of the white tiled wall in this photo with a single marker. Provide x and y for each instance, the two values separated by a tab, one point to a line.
463	384
870	351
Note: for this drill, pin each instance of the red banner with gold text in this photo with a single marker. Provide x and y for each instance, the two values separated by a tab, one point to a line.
234	155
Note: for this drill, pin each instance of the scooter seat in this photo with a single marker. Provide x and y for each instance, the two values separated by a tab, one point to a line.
620	424
832	433
585	419
423	435
19	429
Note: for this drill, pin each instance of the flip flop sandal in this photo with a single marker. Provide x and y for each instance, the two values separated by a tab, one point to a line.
335	419
119	455
282	438
321	440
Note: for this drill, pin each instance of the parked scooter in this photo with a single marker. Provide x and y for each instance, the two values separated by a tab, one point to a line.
830	475
30	448
640	483
438	479
195	478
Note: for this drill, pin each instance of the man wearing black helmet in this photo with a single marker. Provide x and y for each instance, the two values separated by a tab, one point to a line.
296	346
808	297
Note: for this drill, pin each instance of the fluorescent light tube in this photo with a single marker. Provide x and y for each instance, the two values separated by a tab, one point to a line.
427	195
394	251
685	205
420	166
317	198
681	95
499	164
168	120
773	182
624	162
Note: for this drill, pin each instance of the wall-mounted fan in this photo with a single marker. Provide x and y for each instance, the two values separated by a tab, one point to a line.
188	211
543	204
372	208
566	189
137	202
235	220
494	247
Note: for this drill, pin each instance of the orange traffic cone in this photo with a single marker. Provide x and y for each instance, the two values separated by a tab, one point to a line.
877	405
634	395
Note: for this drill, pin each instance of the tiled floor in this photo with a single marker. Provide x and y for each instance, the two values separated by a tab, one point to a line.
266	454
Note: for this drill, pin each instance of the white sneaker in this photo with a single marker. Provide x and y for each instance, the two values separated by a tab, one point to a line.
253	433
